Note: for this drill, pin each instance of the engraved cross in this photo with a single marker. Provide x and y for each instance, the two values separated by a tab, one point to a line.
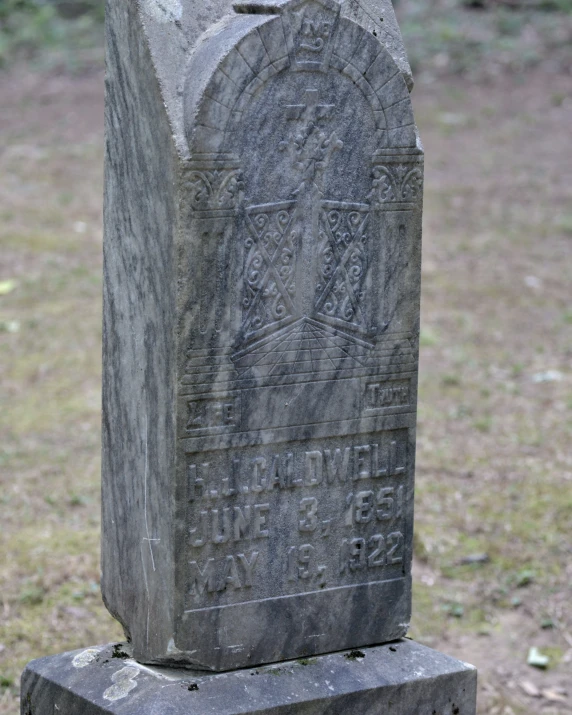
312	148
311	110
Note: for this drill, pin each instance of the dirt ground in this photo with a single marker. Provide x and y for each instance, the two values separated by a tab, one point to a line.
493	545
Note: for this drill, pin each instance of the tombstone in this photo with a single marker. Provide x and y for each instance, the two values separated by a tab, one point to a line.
261	319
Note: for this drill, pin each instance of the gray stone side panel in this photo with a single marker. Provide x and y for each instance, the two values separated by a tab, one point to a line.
401	678
138	338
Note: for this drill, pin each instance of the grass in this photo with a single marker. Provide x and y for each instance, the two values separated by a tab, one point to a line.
50	380
447	37
444	37
58	33
494	467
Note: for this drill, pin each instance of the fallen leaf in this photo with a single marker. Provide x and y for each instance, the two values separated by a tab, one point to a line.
7	286
453	120
553	696
524	578
548	376
475	559
533	282
530	688
537	659
9	326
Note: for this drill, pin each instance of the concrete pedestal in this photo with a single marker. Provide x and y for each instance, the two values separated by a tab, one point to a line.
399	678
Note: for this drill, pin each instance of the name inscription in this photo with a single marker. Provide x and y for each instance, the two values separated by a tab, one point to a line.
265	522
291	470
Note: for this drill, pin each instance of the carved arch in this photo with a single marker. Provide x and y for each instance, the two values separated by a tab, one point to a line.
232	65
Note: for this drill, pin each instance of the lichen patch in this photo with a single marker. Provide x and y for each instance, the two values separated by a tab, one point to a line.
123	683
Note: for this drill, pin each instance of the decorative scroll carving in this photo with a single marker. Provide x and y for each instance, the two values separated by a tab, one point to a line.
269	283
343	265
214	183
397	181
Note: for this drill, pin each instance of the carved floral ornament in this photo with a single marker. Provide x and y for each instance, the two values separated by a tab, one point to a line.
214	188
400	183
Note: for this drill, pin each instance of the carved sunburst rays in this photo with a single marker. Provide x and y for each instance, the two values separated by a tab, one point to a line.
269	267
303	348
343	265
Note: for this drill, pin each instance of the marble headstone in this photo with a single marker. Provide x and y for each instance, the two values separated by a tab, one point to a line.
261	319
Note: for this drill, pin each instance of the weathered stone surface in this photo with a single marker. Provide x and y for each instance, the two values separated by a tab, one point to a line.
402	678
262	262
173	29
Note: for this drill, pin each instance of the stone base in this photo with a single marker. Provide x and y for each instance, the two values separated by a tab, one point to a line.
400	678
